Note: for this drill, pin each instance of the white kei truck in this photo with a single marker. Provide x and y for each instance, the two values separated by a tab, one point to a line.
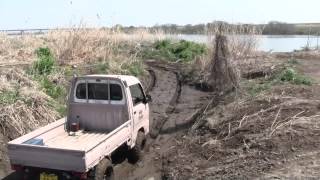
104	112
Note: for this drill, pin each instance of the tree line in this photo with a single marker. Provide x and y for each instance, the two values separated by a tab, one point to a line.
272	28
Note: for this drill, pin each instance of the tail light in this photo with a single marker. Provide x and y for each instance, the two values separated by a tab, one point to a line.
80	175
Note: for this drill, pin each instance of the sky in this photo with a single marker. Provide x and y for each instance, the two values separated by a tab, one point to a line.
20	14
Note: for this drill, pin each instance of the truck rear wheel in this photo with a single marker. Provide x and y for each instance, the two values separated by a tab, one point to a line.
135	153
20	175
104	170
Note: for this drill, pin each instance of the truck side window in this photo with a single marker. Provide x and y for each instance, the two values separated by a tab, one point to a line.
98	91
81	91
115	92
136	94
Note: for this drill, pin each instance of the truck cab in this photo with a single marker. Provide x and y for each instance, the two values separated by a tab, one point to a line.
104	113
102	103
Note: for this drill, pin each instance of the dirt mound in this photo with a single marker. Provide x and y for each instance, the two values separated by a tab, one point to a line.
246	138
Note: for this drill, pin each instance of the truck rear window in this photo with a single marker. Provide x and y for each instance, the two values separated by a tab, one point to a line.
99	91
81	91
115	92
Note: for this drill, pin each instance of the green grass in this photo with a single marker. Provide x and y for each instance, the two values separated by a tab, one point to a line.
256	88
41	70
45	63
293	62
182	50
136	68
287	75
101	67
59	107
54	90
9	97
291	75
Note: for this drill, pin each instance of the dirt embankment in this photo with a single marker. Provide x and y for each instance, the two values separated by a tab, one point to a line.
272	135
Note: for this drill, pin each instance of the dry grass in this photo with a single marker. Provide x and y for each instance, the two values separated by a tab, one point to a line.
77	45
23	107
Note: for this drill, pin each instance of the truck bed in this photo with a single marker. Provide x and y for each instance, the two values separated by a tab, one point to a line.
53	148
82	141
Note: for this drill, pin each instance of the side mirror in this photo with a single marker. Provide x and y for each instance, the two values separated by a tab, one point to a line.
148	98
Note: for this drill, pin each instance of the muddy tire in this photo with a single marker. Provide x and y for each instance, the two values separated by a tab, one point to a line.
135	153
104	170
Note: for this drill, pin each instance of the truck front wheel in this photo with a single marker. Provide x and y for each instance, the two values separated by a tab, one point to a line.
135	153
104	170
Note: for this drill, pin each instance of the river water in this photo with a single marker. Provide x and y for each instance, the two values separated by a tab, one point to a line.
274	43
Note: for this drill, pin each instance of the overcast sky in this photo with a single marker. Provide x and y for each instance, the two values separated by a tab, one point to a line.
15	14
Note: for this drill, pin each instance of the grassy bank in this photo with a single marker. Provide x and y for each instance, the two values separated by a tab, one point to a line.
286	75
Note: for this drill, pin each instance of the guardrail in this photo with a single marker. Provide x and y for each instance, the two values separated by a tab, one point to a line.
33	31
24	31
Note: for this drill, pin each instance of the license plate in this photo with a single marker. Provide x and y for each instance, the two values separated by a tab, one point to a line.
46	176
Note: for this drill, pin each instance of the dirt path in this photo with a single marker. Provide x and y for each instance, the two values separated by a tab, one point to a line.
162	91
173	105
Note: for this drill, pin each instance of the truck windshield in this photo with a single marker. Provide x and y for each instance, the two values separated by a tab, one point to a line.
99	91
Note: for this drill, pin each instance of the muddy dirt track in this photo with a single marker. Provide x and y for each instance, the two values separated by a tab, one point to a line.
173	109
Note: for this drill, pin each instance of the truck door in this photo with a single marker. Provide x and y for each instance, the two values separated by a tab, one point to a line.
140	107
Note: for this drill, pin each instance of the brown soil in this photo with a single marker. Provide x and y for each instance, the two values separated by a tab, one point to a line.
311	68
274	135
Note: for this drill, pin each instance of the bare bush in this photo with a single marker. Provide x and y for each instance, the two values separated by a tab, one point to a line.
242	39
240	46
223	76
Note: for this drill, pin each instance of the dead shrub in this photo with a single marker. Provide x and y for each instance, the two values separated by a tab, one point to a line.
223	75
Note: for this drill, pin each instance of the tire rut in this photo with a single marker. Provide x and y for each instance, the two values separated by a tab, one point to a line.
161	115
164	88
175	107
